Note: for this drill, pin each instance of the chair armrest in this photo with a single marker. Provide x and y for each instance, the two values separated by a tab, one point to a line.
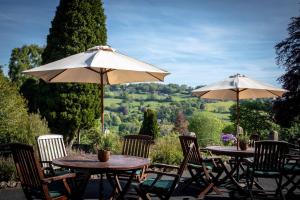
160	165
61	177
248	161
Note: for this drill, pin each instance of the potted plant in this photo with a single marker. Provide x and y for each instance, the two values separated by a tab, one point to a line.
104	148
243	141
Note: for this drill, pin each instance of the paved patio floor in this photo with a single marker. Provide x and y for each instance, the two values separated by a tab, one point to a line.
92	192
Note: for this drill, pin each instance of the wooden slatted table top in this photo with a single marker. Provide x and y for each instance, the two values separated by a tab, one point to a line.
90	161
231	151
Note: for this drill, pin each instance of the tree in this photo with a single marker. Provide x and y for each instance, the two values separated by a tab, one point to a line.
25	57
287	109
207	127
149	125
77	26
1	70
255	116
181	124
16	125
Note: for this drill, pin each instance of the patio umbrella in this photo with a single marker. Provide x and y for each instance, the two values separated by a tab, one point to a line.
238	87
102	65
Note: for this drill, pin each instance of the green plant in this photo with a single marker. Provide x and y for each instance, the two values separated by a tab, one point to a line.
243	138
167	150
105	143
149	125
207	128
76	27
16	125
7	169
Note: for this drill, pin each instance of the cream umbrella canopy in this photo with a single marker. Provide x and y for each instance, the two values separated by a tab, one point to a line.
102	65
238	87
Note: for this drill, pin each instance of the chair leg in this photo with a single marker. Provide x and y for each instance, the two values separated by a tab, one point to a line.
142	194
249	181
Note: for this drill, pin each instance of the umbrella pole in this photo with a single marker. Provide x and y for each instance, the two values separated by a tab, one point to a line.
102	103
237	117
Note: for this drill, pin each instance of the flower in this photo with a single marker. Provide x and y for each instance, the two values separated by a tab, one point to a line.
228	139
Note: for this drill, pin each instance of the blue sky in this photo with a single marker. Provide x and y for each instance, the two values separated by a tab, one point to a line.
198	41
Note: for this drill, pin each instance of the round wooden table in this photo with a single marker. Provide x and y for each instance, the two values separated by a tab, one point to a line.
239	155
231	151
89	164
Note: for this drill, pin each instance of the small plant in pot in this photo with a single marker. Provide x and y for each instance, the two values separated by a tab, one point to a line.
243	141
104	148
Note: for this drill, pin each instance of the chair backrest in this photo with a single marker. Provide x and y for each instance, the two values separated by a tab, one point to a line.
27	166
50	147
185	142
252	139
269	155
294	153
186	158
137	145
182	167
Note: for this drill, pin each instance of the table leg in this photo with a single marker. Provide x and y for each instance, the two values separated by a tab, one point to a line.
127	185
101	187
230	174
82	179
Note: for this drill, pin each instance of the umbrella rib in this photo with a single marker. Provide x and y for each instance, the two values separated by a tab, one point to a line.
204	93
57	75
154	76
273	93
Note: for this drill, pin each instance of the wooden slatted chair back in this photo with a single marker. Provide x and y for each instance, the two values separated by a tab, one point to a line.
253	138
50	147
269	155
137	145
186	141
27	166
186	158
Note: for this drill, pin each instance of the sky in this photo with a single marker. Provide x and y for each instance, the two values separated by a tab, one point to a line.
197	41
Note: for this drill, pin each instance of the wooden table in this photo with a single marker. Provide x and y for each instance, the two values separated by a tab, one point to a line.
89	164
239	155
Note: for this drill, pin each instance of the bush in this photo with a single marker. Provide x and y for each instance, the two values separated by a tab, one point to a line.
16	125
229	128
207	127
291	134
167	150
149	125
7	169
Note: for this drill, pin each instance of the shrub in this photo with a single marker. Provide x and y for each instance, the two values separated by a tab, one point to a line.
291	134
149	125
16	125
207	127
167	150
229	128
7	169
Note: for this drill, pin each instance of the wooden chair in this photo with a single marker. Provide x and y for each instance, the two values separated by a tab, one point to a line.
253	138
137	145
269	159
292	168
160	186
35	185
200	169
50	147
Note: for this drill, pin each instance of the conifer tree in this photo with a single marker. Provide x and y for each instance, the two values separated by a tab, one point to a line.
77	26
149	125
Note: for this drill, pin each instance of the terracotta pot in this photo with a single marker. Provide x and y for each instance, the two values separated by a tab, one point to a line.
103	155
243	145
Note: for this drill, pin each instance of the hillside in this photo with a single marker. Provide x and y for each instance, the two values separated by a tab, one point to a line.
125	104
